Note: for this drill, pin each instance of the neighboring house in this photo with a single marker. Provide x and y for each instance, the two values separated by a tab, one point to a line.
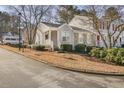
10	38
79	31
103	29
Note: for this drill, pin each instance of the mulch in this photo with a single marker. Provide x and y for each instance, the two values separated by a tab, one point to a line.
70	60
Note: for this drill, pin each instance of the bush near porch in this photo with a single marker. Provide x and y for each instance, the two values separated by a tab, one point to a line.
82	48
39	47
66	47
114	55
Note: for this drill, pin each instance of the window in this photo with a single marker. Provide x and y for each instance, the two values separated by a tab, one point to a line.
46	35
13	39
65	38
81	39
98	37
8	39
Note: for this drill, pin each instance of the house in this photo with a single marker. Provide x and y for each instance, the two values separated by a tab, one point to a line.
47	34
79	31
53	35
103	28
10	38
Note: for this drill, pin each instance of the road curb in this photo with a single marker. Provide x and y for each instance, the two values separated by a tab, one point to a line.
69	68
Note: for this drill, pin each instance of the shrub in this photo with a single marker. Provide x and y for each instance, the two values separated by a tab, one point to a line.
95	52
39	47
66	47
120	52
115	55
89	48
80	48
17	45
103	53
111	54
122	45
119	59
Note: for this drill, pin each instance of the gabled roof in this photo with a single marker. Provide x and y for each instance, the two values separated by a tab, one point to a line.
51	24
82	22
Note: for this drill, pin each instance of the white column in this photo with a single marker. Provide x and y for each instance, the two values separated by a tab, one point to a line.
50	37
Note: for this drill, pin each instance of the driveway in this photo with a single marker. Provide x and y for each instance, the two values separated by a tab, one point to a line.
19	71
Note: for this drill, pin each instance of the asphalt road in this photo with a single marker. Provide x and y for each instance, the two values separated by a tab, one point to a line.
17	71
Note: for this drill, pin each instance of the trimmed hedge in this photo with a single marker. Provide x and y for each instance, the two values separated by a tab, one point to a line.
80	48
39	48
66	47
17	45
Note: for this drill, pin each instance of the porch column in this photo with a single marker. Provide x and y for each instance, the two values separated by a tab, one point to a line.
50	37
50	41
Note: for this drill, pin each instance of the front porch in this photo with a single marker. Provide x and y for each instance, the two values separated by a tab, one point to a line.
50	39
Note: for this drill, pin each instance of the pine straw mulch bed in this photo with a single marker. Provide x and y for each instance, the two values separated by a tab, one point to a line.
69	60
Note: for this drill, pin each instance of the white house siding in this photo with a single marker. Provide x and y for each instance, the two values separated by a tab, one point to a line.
122	38
39	38
82	22
87	34
65	31
42	28
42	31
84	37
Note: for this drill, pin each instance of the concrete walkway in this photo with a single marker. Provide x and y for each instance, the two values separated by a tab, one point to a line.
19	71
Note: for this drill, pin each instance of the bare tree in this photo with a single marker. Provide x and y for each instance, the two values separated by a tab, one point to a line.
111	13
4	23
31	16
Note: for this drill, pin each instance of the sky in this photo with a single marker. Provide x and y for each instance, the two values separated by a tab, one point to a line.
3	8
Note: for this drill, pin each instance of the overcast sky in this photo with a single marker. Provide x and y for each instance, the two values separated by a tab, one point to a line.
3	8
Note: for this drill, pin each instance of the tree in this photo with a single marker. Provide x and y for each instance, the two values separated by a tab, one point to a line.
110	14
67	12
114	14
4	23
8	23
31	17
